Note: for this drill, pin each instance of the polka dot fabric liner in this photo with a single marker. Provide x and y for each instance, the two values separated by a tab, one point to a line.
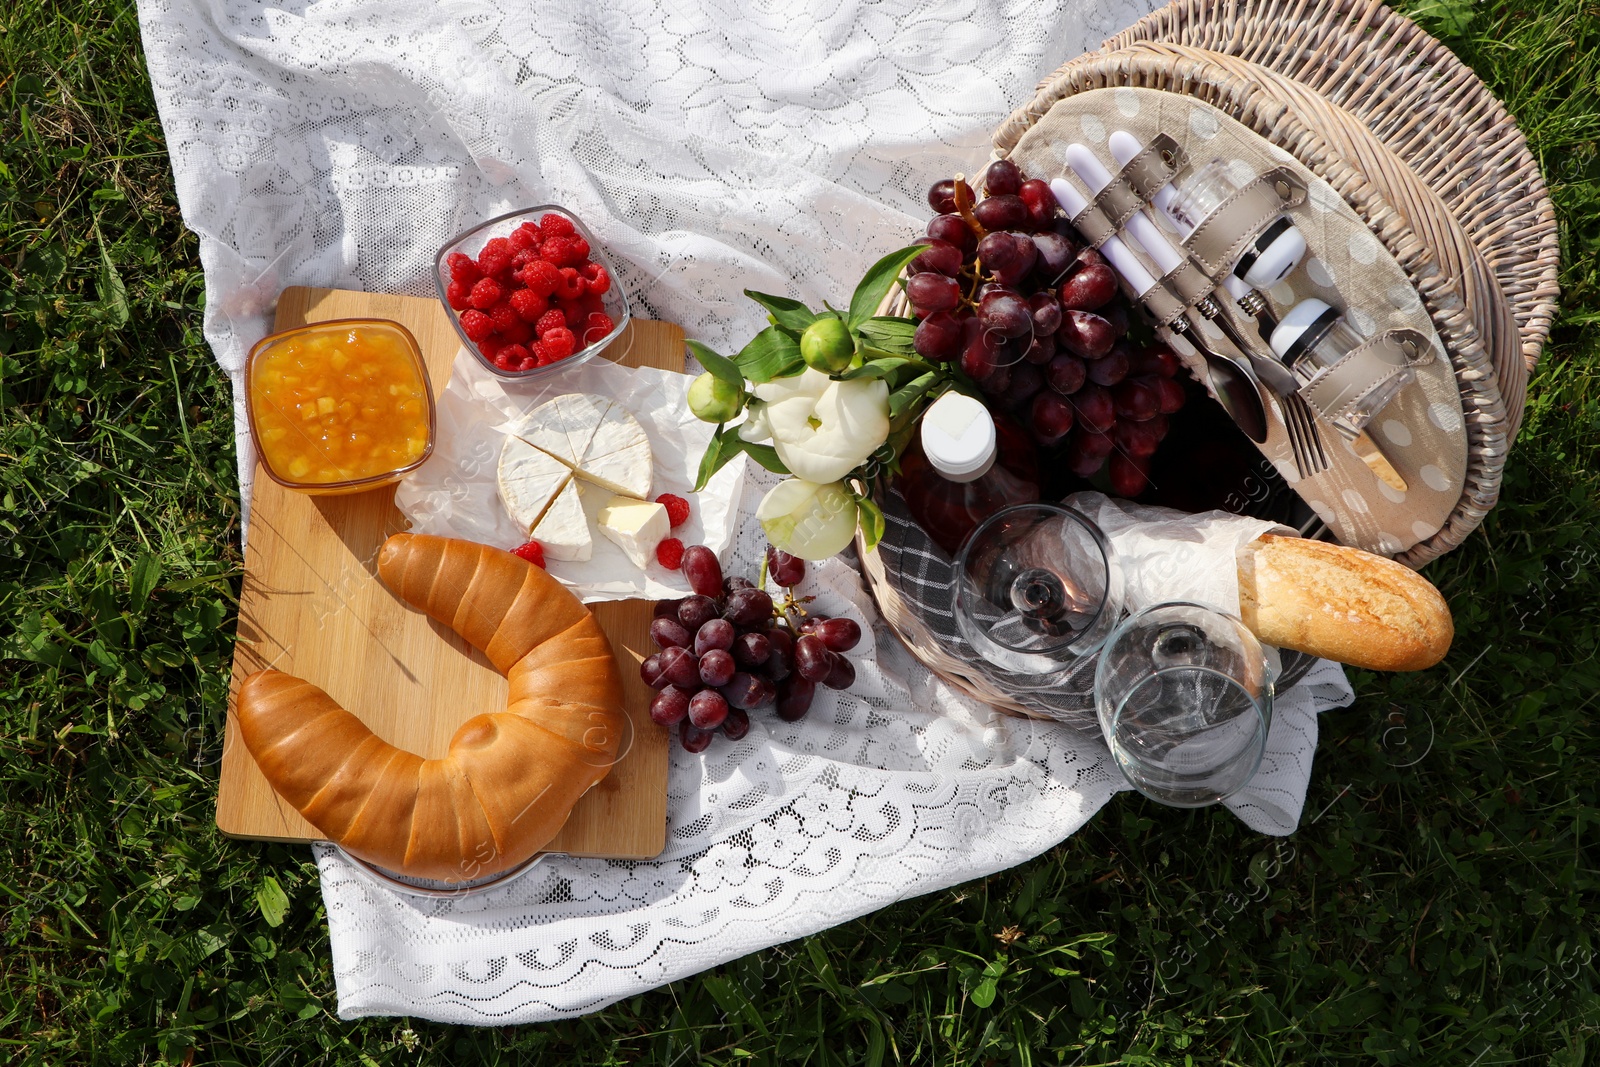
1421	431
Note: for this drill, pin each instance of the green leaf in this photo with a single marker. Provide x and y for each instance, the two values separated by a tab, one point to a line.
113	293
32	641
721	366
884	366
765	455
272	900
772	353
914	390
890	332
789	314
875	284
870	516
716	456
144	576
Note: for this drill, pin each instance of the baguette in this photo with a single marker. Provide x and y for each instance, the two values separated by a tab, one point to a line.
1342	604
511	777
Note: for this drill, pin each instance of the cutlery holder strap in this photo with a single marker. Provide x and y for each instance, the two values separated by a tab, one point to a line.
1093	224
1160	161
1335	391
1130	189
1162	305
1224	236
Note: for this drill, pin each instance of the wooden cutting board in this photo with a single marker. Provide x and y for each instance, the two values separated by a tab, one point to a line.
313	606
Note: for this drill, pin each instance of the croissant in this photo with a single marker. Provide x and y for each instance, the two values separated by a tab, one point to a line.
511	777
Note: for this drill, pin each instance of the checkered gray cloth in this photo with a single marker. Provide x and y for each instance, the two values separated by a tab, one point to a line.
924	576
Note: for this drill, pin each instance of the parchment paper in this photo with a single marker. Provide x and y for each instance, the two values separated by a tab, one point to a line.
456	493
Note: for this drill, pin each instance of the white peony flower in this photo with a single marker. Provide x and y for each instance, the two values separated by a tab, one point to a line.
823	429
806	519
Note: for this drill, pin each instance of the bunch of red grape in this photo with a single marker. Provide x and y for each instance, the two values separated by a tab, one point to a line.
729	648
1034	317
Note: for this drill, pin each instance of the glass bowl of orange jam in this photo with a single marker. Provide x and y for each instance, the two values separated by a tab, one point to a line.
340	406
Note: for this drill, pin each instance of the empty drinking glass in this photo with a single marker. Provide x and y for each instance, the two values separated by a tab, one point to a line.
1185	702
1036	589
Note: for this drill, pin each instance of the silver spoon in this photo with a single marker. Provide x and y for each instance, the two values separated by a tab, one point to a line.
1237	388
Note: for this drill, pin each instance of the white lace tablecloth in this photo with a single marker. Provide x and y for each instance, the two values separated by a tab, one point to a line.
713	147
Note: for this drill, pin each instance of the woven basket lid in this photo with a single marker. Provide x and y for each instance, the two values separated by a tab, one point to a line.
1421	103
1232	88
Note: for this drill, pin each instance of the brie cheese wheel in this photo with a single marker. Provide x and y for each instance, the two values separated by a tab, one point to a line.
637	526
598	438
564	530
529	481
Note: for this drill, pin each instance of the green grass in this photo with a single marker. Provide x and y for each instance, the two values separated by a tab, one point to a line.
1440	913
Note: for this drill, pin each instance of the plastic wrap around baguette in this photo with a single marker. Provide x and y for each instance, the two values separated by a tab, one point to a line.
511	777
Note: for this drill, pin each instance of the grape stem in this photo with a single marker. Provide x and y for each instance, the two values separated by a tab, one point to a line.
964	207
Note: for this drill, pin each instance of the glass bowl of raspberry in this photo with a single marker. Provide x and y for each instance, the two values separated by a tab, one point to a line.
530	292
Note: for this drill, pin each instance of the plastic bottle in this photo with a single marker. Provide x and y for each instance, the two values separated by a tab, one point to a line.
964	466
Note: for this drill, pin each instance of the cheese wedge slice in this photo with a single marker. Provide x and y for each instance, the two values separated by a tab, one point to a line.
637	526
564	426
564	530
529	481
626	471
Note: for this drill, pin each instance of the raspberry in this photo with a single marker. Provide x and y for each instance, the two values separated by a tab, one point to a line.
504	316
495	259
677	509
571	285
578	249
486	293
462	268
559	344
516	357
490	347
541	277
553	225
520	261
596	326
555	250
550	320
529	304
476	325
533	552
540	354
669	553
526	237
459	295
517	333
599	280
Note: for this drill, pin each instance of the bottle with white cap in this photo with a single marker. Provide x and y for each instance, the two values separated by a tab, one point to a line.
1313	336
964	467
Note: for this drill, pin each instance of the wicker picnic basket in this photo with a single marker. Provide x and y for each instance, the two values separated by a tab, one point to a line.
1412	141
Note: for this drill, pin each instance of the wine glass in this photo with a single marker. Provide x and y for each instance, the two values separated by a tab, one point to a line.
1184	697
1036	589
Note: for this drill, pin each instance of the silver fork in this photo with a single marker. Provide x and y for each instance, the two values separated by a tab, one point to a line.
1305	438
